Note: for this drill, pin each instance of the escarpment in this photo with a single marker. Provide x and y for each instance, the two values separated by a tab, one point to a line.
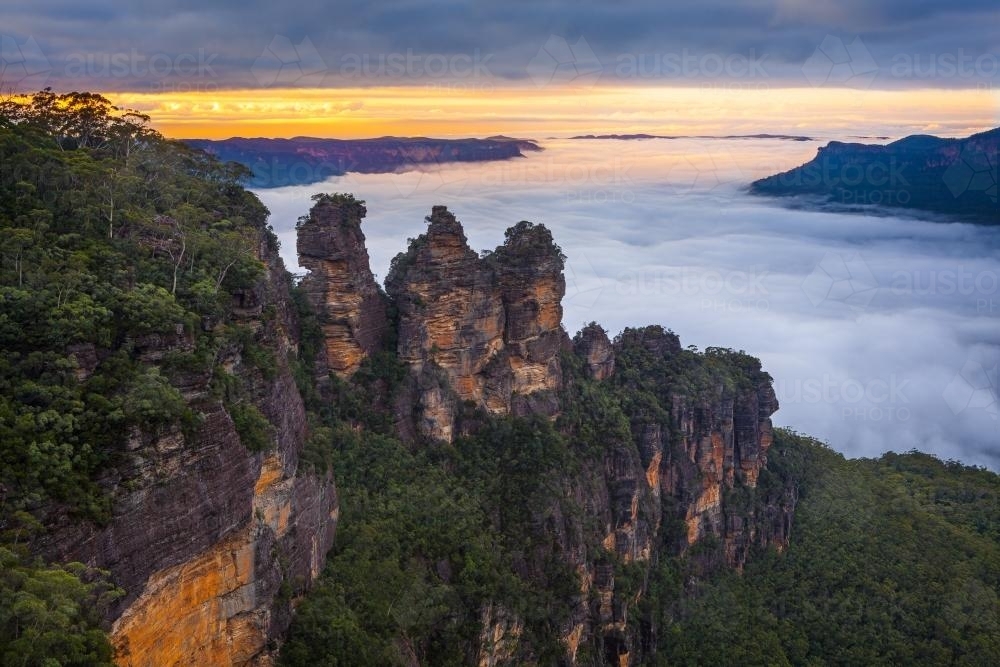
666	444
175	407
210	541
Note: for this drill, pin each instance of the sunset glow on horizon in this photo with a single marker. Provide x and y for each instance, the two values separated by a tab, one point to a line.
523	111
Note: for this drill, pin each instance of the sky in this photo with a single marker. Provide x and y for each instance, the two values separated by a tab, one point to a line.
901	356
452	67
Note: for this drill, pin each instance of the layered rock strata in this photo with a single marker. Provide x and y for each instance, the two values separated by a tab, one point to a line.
340	284
212	542
668	488
490	326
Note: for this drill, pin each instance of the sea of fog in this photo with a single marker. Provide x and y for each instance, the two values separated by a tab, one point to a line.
881	332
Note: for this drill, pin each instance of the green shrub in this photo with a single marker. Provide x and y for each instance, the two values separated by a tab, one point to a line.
255	431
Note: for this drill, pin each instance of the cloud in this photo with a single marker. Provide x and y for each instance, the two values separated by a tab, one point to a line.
721	268
680	44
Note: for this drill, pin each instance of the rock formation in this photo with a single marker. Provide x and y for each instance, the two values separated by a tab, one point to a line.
211	542
530	269
490	325
340	284
593	345
485	332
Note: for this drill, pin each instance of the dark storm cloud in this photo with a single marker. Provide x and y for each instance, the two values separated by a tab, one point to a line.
903	43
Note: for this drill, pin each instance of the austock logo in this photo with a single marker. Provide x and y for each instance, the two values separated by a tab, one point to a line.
731	291
284	63
429	178
709	169
559	62
281	173
877	181
841	278
976	170
685	64
23	67
974	388
835	63
410	64
133	64
584	285
873	399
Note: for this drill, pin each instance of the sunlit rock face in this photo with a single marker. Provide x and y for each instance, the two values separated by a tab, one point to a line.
500	637
491	325
450	311
532	286
217	607
212	542
340	284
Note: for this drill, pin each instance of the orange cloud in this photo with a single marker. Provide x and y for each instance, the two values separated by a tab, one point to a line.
538	112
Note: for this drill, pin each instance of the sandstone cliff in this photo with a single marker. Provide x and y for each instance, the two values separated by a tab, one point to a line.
212	542
682	473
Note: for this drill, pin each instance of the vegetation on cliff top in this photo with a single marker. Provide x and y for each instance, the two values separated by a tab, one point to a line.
112	239
114	243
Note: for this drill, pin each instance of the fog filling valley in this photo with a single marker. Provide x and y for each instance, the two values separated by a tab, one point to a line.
879	331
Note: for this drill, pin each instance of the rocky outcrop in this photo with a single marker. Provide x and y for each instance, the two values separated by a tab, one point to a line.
340	284
594	347
451	316
681	474
671	464
212	542
530	269
686	475
500	637
491	325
